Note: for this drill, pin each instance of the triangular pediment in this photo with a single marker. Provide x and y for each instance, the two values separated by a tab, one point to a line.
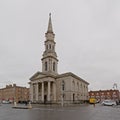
37	75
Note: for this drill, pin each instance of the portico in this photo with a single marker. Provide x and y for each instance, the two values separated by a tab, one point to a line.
44	91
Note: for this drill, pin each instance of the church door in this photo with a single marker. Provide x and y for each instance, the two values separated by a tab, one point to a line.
45	99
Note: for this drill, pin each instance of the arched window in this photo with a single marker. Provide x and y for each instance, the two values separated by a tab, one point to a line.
53	66
49	46
73	85
63	85
45	66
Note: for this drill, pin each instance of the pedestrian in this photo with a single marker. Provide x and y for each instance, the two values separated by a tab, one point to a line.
94	104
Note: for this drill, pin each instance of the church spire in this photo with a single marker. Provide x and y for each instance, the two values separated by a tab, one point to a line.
49	59
49	34
50	30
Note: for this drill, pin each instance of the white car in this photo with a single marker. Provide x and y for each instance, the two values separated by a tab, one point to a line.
5	102
109	102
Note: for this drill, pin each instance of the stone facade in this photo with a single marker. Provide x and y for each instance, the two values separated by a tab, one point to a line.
14	93
50	87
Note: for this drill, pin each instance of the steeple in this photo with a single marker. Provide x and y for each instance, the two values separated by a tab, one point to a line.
49	59
50	30
50	35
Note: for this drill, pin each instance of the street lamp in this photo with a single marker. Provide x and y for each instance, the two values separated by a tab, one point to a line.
115	86
14	94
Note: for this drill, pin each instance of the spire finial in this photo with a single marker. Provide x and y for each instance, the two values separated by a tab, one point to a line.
50	24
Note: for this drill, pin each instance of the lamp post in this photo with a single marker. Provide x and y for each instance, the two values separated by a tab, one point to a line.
115	86
14	90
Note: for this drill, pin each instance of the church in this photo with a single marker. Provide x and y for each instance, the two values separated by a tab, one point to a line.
49	86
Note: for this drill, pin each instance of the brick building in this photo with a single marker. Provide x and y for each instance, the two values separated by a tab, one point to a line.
105	94
14	93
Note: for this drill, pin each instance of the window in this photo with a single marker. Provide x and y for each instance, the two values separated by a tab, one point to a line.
53	66
73	85
77	86
50	46
45	66
63	85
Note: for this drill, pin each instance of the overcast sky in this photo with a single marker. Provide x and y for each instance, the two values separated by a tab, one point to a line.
87	35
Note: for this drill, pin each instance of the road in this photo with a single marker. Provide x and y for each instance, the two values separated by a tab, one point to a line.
81	112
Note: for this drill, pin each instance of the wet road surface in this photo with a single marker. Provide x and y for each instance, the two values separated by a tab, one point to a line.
81	112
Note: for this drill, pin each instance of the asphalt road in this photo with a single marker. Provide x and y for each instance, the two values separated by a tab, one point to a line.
81	112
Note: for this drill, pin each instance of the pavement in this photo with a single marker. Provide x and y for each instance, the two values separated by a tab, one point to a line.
76	112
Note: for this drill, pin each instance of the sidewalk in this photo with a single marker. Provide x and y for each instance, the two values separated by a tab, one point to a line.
57	105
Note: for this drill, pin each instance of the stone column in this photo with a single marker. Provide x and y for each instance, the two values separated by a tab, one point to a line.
42	91
54	91
36	91
48	90
31	92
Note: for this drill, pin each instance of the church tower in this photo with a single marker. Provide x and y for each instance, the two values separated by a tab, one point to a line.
49	59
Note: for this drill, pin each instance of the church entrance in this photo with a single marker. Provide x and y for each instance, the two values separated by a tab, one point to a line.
45	99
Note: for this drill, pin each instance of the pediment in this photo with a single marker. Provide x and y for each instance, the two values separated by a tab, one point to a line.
37	75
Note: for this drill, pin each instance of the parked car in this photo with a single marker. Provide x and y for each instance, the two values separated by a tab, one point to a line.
5	102
109	102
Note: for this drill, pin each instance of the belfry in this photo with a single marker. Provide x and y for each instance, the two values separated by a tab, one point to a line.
50	87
